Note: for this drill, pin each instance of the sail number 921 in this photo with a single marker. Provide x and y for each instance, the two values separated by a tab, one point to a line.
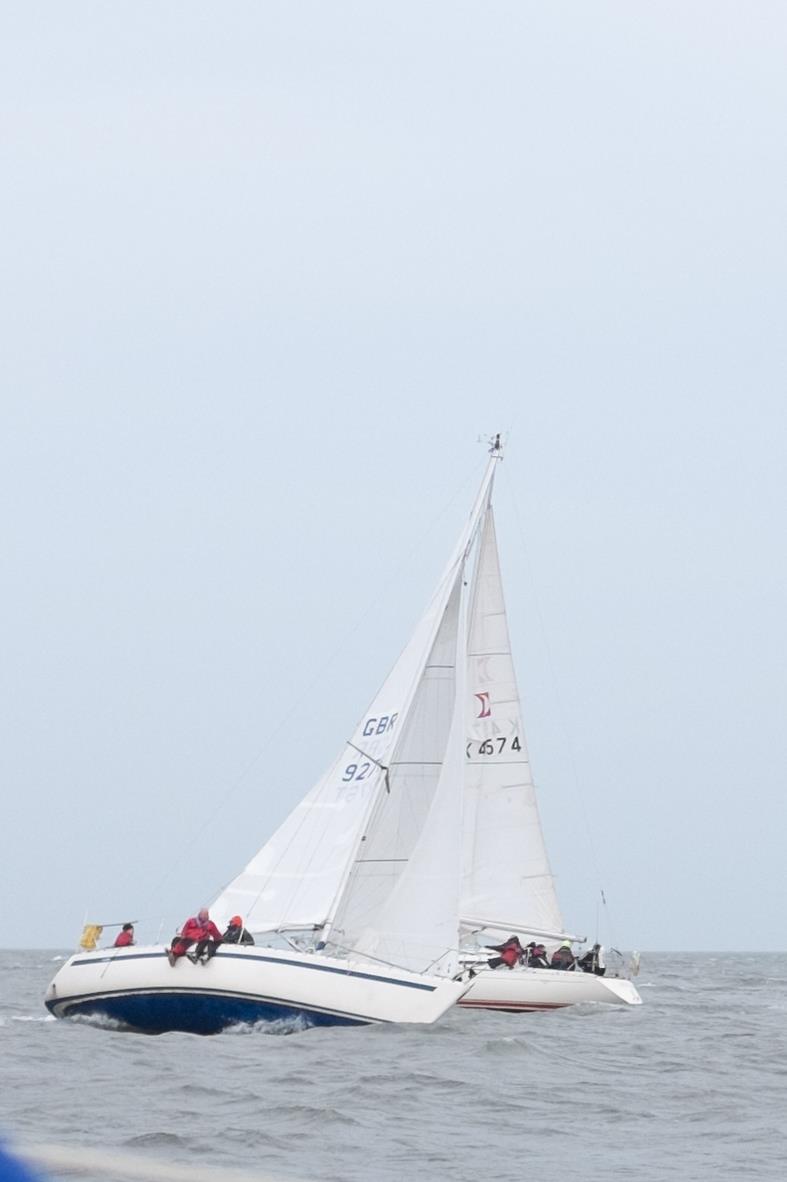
356	771
494	746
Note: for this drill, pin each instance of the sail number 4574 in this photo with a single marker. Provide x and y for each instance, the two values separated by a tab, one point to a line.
494	746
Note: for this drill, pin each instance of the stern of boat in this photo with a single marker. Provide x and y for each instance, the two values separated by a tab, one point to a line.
621	990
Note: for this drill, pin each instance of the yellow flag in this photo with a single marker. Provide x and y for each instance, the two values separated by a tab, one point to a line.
91	934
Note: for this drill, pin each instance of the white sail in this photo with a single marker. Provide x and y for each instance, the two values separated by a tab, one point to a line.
506	869
294	879
305	875
401	903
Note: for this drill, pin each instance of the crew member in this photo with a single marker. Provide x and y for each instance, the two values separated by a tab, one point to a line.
199	929
125	936
593	961
563	957
536	956
510	953
236	932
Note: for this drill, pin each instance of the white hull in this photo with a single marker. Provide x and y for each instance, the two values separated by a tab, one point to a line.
140	990
523	989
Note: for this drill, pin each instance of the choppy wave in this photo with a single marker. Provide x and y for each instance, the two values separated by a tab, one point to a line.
686	1086
168	1141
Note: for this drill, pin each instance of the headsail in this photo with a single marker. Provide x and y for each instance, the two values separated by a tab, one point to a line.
309	874
402	899
294	879
506	869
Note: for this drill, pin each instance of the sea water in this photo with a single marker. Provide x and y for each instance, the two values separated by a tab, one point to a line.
690	1085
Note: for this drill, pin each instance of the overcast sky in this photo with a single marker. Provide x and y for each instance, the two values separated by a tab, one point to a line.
267	272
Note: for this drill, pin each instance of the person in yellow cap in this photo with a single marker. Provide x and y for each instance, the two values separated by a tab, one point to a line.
563	957
236	932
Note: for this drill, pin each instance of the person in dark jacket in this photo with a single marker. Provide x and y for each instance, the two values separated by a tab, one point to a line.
593	961
563	957
199	929
236	932
125	936
536	956
511	953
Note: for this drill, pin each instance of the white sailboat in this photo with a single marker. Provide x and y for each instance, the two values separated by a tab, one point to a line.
424	832
507	884
356	895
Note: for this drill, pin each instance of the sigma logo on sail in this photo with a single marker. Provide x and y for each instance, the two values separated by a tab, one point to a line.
486	709
379	726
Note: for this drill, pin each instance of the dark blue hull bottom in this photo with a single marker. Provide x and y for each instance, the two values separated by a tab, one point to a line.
193	1013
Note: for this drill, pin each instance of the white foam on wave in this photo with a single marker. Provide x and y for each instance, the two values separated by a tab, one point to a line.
278	1026
99	1021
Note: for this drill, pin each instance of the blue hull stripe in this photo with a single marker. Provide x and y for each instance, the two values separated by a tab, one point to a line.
158	1011
298	964
65	1004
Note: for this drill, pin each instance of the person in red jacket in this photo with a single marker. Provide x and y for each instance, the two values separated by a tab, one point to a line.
201	930
510	953
125	937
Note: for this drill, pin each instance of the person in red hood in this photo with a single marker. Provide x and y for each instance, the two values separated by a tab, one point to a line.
199	929
125	937
510	953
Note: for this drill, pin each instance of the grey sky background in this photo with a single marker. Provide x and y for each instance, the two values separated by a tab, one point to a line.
267	272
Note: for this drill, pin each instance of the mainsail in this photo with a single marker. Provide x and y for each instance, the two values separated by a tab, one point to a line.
506	876
347	853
